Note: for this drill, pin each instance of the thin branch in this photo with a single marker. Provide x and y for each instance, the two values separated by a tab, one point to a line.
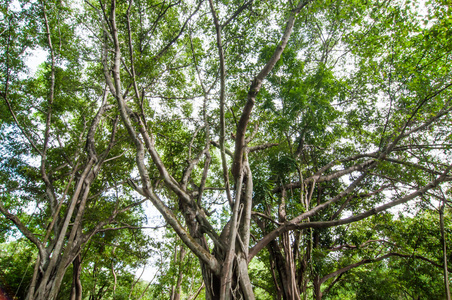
367	261
265	217
226	150
23	229
237	12
30	140
161	52
325	178
261	147
222	102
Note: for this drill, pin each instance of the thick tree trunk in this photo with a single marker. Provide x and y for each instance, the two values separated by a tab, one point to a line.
211	281
47	286
286	282
62	252
317	291
289	288
76	292
233	283
240	285
286	263
291	284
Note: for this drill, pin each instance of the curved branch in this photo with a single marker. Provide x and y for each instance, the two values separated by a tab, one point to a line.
261	147
367	261
237	12
170	218
294	223
23	229
161	52
255	88
318	178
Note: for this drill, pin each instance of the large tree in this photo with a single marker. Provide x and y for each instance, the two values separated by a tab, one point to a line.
61	144
266	119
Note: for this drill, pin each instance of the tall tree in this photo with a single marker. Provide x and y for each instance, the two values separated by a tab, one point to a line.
267	119
60	144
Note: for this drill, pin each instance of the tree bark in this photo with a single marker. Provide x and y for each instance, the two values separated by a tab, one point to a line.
62	251
317	285
76	292
225	272
286	283
176	290
443	240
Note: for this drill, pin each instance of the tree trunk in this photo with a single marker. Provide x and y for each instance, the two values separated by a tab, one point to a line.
287	263
317	291
286	283
48	286
443	240
290	290
234	282
212	282
176	290
76	292
240	285
61	253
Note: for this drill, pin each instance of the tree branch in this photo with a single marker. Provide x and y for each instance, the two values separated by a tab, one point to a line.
293	224
255	88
